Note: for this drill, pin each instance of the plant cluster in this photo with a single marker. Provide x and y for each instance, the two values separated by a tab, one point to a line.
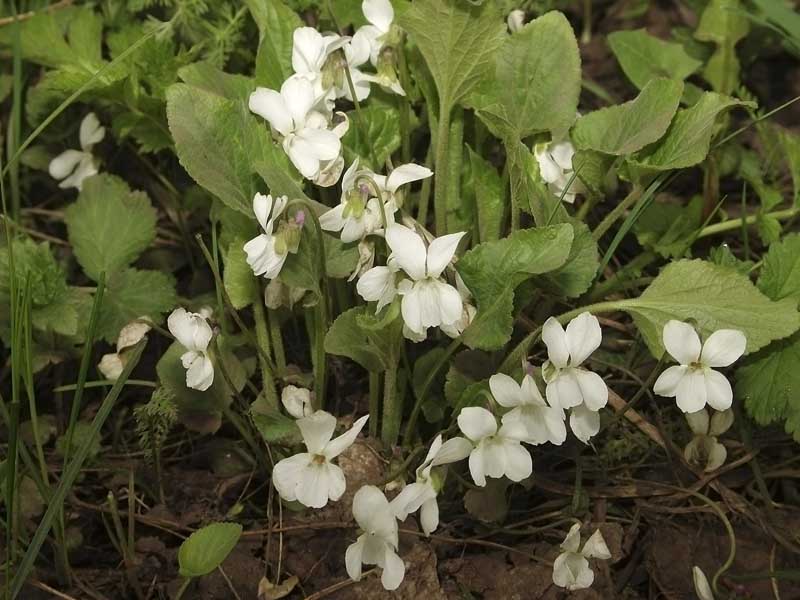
420	188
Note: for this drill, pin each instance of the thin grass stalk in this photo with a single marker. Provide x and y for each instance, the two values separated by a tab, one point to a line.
71	473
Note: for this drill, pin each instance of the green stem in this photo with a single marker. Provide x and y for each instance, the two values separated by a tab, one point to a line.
374	402
392	408
362	123
441	175
405	105
320	328
732	224
412	419
262	337
277	342
183	587
618	212
424	195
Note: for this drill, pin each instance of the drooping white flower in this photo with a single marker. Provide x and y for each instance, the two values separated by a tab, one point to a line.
555	167
568	384
515	20
377	545
694	382
267	252
305	137
380	15
193	332
497	452
73	166
428	300
421	495
379	284
310	53
704	449
540	422
297	401
368	200
571	568
310	477
701	586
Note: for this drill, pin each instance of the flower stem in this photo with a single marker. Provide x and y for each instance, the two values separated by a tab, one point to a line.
441	174
277	342
732	224
392	408
183	587
374	402
617	212
262	337
412	419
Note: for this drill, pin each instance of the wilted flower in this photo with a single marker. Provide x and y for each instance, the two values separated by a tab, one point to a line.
515	20
193	333
571	567
297	401
694	382
540	422
304	132
568	384
377	545
497	452
421	495
705	450
111	365
73	166
555	167
310	477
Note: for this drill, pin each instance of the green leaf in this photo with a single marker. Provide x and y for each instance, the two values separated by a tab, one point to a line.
340	259
723	23
132	294
769	383
780	274
628	127
482	186
688	139
276	428
190	402
713	297
537	80
35	263
207	548
575	276
669	228
109	226
276	24
644	57
790	143
493	270
527	188
364	337
207	77
458	41
219	142
240	283
382	125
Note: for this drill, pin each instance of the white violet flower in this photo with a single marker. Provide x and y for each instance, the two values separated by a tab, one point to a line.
310	477
571	567
568	384
73	166
468	311
304	134
705	450
701	585
421	495
694	382
297	401
377	545
267	252
193	333
540	422
497	452
428	300
555	167
380	15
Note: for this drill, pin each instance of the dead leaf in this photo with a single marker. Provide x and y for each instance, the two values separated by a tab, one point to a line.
269	591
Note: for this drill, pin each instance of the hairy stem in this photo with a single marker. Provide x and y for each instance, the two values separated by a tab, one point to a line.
392	408
441	174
